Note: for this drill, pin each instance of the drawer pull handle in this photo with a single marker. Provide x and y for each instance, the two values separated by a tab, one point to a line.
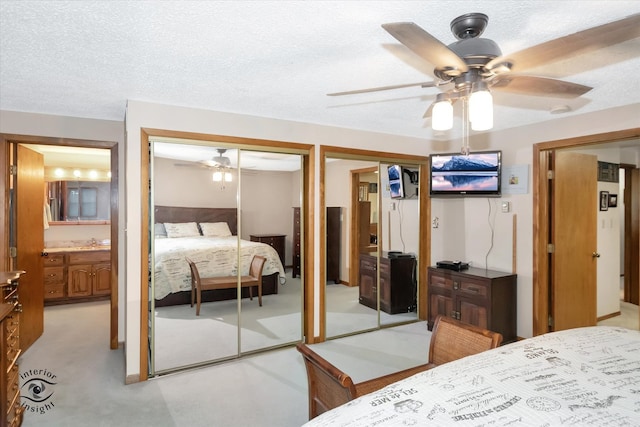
475	290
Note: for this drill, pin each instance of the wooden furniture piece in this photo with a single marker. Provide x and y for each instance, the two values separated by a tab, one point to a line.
452	340
397	283
276	241
11	411
254	278
333	243
164	214
484	298
296	251
329	387
76	276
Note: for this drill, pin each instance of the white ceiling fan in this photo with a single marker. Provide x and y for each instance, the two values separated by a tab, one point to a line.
219	162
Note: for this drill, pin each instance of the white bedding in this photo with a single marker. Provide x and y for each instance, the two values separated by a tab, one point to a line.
578	377
214	256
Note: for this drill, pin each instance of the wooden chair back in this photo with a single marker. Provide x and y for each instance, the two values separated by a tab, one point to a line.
256	267
329	387
452	340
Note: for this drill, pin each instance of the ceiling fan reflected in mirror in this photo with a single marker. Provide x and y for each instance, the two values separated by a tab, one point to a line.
220	164
470	68
219	161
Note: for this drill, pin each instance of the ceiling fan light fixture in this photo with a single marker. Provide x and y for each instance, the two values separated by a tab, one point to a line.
219	176
442	117
480	107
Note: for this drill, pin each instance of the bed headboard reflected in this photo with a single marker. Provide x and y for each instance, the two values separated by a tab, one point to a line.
184	214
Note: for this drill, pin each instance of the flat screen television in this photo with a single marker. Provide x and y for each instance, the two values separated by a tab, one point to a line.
396	186
476	174
403	182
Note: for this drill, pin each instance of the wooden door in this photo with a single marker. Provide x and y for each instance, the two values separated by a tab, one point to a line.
574	209
30	242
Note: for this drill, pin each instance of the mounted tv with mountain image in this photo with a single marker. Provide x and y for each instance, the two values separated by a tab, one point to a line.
476	174
396	184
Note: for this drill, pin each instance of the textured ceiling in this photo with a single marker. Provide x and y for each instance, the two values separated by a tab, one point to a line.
279	59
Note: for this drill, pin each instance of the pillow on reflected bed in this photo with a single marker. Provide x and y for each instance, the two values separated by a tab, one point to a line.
181	229
215	229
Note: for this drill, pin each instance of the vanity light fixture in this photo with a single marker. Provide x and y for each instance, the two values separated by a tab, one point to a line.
77	173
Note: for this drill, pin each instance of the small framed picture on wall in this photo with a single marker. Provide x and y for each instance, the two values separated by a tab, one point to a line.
604	200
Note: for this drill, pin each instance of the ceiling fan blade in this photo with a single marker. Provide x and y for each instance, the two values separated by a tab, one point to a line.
540	86
571	45
376	89
427	47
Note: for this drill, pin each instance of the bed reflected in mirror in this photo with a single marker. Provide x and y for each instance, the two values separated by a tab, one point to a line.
213	211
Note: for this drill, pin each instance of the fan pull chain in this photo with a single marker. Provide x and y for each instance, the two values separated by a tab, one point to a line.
465	127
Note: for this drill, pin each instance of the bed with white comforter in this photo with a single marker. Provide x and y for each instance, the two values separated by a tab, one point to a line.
214	256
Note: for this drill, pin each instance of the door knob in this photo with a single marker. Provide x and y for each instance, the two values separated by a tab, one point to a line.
595	255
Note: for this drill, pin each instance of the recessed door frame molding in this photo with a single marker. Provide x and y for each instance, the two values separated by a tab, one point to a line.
424	201
307	190
541	223
112	146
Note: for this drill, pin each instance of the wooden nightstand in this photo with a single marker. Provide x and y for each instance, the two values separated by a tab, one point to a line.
274	240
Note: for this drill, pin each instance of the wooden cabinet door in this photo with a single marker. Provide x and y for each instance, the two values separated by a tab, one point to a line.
79	280
440	296
472	311
472	301
385	286
368	280
101	279
439	303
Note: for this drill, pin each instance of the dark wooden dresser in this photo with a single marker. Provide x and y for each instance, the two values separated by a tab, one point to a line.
296	252
397	283
11	411
274	240
484	298
334	237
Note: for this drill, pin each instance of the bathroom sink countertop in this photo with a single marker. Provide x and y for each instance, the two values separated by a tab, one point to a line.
77	249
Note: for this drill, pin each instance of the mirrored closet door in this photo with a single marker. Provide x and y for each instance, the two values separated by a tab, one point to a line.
222	221
379	231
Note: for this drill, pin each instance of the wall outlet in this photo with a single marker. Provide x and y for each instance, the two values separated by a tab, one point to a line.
506	207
